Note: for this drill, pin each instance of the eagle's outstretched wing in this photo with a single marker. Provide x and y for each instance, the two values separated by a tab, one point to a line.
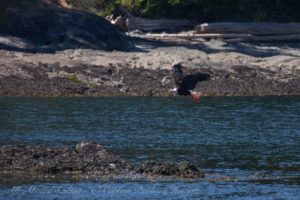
176	76
189	82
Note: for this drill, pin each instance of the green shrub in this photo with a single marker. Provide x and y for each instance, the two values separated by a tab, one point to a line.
87	5
201	10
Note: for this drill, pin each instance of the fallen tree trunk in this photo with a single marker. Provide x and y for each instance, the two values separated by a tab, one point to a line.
245	37
263	28
194	38
127	22
146	25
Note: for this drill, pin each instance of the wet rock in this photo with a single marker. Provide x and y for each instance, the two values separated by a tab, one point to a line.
86	158
99	73
98	81
168	168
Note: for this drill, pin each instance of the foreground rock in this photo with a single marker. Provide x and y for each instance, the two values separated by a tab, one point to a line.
86	158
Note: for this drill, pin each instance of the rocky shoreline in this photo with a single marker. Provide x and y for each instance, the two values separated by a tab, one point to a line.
237	69
84	159
43	52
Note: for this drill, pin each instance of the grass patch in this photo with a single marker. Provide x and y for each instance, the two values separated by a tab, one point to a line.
90	85
93	85
73	79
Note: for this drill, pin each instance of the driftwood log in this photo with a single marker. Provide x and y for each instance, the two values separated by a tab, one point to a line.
261	28
228	31
237	37
125	21
194	38
157	24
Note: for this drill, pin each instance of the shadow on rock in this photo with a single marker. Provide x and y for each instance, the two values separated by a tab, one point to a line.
32	26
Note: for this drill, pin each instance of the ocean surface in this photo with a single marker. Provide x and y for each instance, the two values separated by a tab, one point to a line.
249	147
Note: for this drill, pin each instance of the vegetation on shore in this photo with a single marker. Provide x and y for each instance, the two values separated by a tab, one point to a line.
201	10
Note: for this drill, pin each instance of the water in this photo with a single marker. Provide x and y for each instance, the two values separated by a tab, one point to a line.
247	146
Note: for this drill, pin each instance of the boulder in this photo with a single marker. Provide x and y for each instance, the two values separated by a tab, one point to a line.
85	158
167	168
35	26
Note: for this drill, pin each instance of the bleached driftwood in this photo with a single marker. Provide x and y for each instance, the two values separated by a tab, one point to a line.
245	37
229	31
127	22
157	24
260	28
194	38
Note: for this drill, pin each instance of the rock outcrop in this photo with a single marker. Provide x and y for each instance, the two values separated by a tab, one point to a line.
84	72
34	26
85	158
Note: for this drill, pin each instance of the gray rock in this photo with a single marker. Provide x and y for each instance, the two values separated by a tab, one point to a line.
168	168
86	158
50	28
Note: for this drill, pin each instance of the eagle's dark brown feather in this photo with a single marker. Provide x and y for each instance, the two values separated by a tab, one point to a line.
176	76
187	83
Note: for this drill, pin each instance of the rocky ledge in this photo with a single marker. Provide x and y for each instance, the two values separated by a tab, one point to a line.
37	26
86	158
236	69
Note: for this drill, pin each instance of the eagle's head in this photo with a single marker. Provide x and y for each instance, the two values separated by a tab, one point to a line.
177	67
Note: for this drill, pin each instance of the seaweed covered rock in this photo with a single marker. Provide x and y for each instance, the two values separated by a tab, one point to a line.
86	158
167	168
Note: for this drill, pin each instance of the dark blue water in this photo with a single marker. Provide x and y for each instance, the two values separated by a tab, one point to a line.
249	147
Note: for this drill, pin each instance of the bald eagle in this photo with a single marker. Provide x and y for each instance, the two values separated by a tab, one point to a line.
185	85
